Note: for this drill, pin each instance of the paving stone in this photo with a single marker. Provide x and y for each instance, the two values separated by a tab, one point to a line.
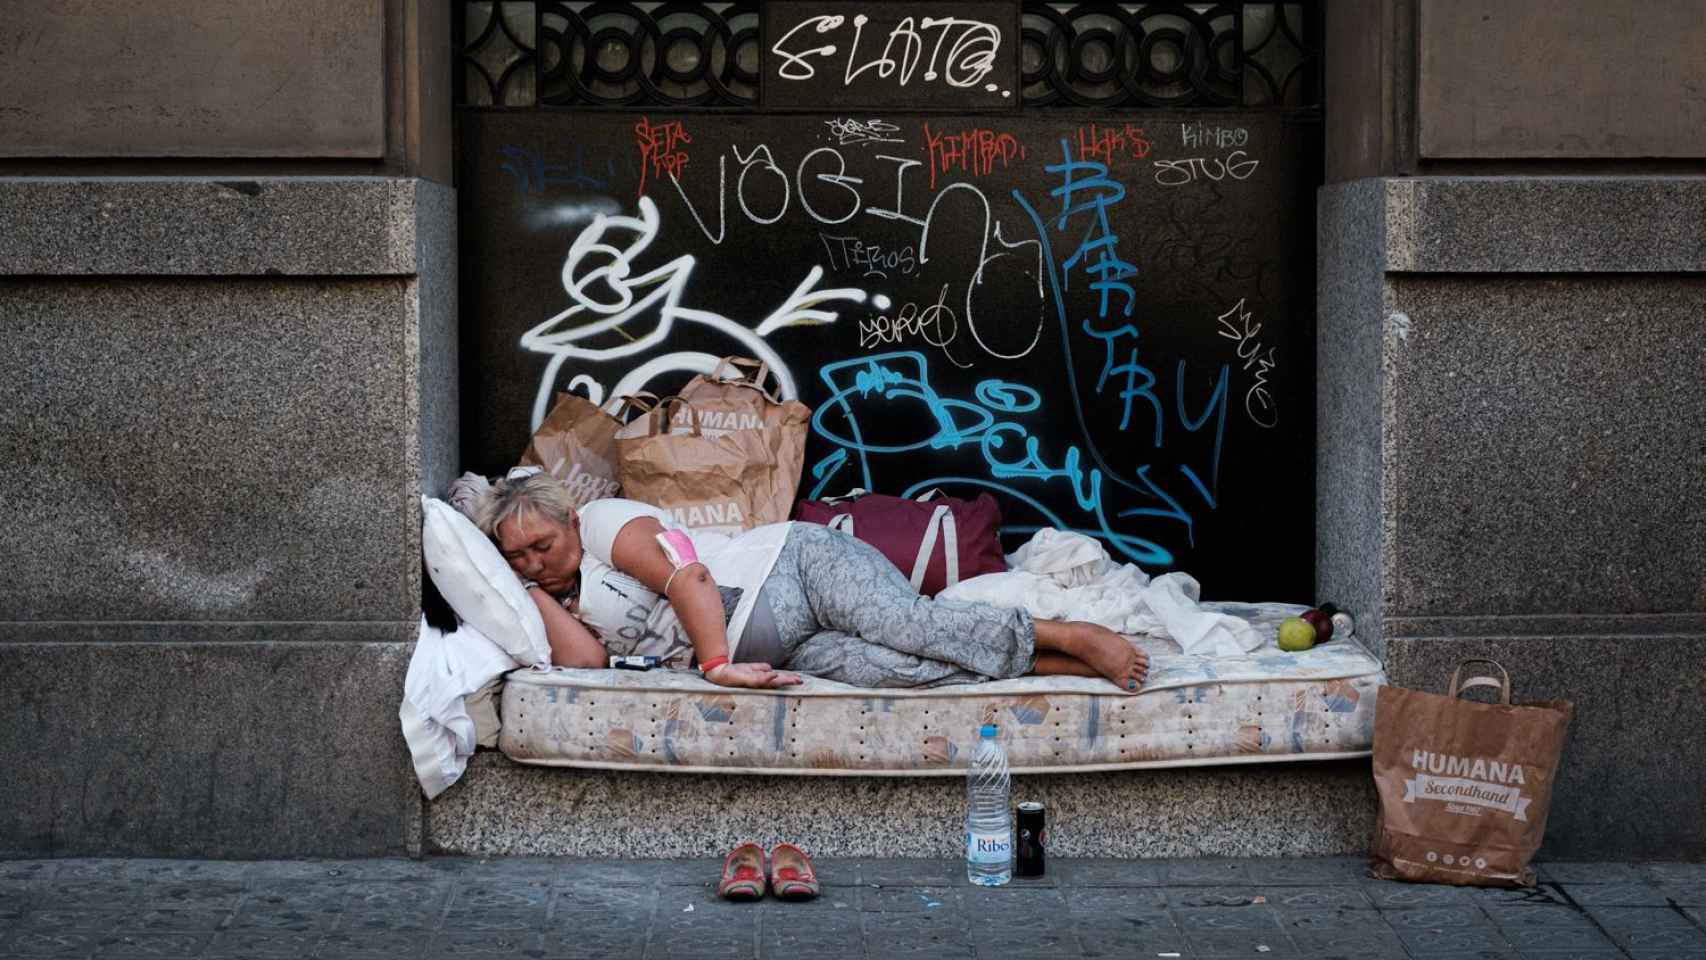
67	918
1539	939
1674	872
27	870
1391	894
888	945
1296	919
907	899
97	893
192	894
186	871
91	868
1241	943
1110	873
1584	954
578	873
1540	895
1210	873
1590	872
1665	943
1637	894
49	943
1555	916
501	895
371	945
1214	896
400	920
496	943
157	918
837	871
690	873
1637	918
914	873
494	919
272	916
1366	941
161	943
1306	871
1191	919
1112	904
1429	941
593	900
1421	918
265	943
1346	897
1685	894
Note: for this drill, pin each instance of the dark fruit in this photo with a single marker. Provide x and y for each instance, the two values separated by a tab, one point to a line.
1323	624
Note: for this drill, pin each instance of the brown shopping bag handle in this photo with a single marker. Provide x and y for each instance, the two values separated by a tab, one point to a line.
643	401
664	413
755	380
1503	686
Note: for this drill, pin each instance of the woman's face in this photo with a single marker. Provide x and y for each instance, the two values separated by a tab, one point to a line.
541	549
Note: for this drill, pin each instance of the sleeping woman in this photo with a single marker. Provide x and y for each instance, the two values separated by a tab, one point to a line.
760	608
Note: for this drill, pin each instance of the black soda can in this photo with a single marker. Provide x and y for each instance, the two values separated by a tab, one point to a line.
1032	835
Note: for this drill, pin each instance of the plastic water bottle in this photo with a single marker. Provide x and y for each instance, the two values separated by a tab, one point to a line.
989	831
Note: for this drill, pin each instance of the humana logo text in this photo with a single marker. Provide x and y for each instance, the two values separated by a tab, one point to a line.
1469	768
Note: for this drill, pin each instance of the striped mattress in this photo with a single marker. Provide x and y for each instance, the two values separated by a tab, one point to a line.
1262	707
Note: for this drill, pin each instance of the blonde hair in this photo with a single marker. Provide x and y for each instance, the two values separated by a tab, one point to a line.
539	493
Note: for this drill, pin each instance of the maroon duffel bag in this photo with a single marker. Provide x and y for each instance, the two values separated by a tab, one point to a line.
936	541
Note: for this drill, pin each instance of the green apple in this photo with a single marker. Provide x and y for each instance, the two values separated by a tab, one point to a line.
1295	634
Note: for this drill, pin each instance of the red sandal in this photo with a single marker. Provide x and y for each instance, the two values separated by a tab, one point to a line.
743	873
791	873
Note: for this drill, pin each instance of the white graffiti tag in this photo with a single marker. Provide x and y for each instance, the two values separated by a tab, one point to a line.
599	277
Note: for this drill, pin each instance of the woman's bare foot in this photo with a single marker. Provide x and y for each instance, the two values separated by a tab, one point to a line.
1108	653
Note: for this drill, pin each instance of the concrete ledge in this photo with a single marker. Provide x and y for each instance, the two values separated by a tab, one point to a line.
189	226
218	750
1545	225
1634	769
506	808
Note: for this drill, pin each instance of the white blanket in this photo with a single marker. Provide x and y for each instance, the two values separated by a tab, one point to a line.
1059	575
447	707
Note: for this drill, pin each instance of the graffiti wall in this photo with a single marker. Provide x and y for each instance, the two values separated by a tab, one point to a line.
1105	321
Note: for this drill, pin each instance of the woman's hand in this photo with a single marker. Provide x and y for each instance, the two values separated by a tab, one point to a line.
755	675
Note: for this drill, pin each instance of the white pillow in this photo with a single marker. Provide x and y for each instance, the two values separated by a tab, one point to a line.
479	585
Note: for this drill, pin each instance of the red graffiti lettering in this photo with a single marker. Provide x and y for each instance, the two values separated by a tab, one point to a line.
975	151
1106	144
660	148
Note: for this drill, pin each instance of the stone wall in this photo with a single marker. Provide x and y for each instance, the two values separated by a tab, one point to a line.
219	401
1513	464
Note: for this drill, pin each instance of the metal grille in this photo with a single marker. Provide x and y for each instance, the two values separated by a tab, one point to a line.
530	53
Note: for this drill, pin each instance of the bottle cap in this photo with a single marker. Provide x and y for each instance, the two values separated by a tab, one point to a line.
988	731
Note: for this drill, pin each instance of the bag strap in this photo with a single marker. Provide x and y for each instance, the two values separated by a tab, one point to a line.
1503	686
739	377
842	522
852	494
929	495
927	546
664	413
643	401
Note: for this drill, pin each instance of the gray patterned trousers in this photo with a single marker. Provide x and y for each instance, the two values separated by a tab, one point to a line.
843	612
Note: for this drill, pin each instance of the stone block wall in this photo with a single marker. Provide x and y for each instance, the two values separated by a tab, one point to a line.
1513	464
219	401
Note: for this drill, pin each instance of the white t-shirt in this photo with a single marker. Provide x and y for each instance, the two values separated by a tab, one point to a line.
629	618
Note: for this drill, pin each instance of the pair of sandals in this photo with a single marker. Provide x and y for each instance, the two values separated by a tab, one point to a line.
786	868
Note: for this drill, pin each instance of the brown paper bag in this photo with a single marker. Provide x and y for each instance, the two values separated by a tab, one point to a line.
725	481
736	395
1464	787
577	445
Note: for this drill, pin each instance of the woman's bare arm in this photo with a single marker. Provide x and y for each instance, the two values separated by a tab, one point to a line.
697	601
572	644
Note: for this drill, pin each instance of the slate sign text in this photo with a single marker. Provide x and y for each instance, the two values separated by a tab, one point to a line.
897	56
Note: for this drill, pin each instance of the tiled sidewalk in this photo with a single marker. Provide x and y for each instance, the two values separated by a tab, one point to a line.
452	907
